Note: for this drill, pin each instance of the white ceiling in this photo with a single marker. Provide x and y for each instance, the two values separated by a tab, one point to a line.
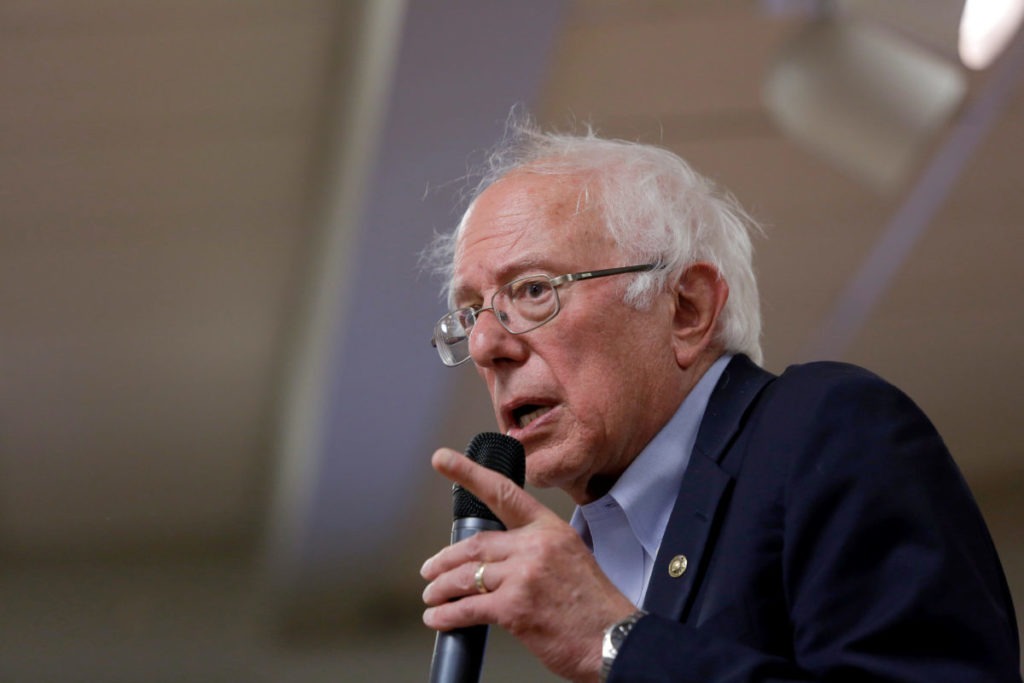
156	165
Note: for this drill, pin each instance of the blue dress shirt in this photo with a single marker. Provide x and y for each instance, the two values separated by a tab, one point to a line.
624	527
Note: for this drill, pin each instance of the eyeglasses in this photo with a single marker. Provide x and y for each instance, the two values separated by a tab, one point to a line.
520	306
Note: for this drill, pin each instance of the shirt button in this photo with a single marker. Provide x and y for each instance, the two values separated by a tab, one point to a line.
677	566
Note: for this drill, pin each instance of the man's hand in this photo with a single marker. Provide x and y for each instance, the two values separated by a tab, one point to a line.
544	586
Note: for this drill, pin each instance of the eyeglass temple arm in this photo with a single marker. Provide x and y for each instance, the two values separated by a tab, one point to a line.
588	274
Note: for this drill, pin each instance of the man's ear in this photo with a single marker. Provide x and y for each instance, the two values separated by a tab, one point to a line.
700	294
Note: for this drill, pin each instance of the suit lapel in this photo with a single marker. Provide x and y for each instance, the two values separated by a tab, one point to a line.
703	493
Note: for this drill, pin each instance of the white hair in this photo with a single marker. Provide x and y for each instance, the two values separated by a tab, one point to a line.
656	209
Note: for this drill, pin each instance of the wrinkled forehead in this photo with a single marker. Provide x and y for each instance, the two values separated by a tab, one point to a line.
528	211
528	222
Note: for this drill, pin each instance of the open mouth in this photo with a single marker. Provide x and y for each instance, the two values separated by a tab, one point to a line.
527	413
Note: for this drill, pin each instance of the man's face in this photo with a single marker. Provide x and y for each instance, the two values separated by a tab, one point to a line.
585	392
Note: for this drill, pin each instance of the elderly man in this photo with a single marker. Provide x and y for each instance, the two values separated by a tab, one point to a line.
731	525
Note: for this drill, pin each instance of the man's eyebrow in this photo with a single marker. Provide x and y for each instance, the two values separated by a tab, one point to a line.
459	293
529	265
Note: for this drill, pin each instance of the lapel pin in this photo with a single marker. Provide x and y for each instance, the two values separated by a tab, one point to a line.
677	566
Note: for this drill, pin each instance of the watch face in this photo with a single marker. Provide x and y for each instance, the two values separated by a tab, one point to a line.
619	634
613	639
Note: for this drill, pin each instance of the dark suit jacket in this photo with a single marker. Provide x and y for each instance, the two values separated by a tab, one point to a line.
829	537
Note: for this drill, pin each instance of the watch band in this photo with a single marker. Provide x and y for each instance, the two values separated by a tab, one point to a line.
614	635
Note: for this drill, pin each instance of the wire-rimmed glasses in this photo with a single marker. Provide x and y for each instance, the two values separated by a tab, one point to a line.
520	306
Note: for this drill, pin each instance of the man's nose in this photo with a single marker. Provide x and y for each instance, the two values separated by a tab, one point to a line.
490	342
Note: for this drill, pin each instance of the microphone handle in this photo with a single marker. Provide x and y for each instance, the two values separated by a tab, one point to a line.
459	653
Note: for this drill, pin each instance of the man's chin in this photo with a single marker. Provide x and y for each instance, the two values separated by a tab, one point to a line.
546	469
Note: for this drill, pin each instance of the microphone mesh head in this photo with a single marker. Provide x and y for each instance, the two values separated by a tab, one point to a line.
496	452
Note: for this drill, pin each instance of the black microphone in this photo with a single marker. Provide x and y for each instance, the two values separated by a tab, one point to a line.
459	653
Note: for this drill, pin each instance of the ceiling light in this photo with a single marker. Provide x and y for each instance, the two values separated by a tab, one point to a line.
864	98
986	28
974	32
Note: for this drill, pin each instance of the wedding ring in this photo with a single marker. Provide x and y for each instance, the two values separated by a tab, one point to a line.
478	579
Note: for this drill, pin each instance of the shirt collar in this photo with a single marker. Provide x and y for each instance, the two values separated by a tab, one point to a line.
647	490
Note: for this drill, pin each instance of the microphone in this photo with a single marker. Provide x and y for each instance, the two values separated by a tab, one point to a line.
459	653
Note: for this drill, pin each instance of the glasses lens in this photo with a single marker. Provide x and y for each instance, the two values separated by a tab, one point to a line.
527	303
451	335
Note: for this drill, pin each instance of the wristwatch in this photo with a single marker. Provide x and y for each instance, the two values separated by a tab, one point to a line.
614	636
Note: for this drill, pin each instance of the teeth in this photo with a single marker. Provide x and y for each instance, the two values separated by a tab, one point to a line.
529	417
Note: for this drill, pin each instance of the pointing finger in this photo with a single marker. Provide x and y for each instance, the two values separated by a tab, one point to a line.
511	504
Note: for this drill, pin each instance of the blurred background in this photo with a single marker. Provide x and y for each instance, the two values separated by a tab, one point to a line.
217	396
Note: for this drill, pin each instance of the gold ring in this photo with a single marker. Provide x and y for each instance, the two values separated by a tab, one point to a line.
478	579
